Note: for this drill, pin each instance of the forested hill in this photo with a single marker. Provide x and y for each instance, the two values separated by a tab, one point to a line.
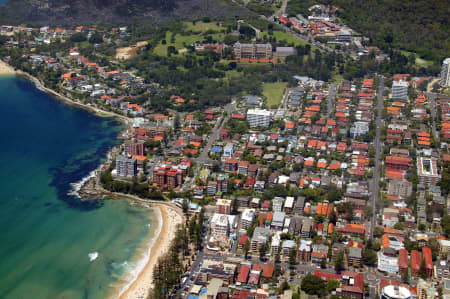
421	26
111	11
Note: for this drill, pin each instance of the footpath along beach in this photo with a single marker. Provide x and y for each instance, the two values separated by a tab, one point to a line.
170	218
143	283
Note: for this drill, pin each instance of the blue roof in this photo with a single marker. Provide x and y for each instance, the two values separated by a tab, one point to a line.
216	149
203	291
192	297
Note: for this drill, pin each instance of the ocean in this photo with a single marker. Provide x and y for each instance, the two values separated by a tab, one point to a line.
47	235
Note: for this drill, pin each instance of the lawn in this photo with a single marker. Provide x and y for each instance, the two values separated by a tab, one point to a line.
274	93
286	36
419	61
161	49
203	27
182	40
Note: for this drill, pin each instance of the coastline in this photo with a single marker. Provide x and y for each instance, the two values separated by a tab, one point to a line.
170	214
6	69
142	284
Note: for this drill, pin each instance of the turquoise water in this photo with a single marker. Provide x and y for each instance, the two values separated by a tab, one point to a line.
46	235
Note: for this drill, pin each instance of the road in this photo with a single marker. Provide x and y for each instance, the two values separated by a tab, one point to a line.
282	9
203	157
375	187
432	100
331	99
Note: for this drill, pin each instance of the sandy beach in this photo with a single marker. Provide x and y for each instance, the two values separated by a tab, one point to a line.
140	287
6	69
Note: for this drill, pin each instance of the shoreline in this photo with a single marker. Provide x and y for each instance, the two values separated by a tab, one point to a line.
142	284
6	69
170	215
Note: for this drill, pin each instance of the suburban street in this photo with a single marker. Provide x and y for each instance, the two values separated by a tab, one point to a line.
433	98
203	157
374	184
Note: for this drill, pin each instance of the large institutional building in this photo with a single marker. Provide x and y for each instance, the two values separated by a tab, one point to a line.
252	51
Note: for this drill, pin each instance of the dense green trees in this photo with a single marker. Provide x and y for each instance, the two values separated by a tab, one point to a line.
415	25
313	285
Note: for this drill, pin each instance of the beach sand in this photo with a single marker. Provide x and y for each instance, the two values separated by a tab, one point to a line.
140	287
6	69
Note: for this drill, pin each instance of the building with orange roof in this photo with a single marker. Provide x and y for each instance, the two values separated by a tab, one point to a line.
393	110
330	228
353	229
290	125
322	163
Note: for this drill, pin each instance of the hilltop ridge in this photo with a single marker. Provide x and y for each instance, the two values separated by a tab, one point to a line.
111	11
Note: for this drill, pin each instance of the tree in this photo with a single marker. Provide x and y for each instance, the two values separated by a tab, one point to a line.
332	284
405	277
263	250
285	286
96	38
185	206
323	264
423	273
293	257
339	262
246	248
313	285
78	37
369	257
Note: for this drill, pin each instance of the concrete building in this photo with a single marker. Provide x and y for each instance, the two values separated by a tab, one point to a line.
220	225
258	118
359	128
252	51
126	167
427	171
426	290
278	220
247	218
400	90
277	204
395	292
260	237
445	73
223	206
444	249
441	269
388	264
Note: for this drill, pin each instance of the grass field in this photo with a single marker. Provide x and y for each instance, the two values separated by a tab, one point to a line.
161	49
182	40
203	27
286	36
274	93
419	61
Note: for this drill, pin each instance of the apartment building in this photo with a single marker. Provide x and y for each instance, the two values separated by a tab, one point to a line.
126	167
400	90
445	73
258	118
427	171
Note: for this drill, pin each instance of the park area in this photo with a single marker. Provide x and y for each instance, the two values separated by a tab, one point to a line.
274	93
